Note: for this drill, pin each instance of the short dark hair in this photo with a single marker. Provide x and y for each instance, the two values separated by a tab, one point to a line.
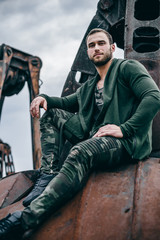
95	30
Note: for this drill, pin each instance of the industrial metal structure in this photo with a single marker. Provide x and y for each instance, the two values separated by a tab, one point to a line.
16	68
6	160
142	42
122	204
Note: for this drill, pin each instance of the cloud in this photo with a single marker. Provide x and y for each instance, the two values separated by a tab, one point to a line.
71	6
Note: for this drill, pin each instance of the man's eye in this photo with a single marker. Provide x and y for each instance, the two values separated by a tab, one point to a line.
91	45
101	43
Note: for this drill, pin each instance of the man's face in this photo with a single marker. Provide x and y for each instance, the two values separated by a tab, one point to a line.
99	50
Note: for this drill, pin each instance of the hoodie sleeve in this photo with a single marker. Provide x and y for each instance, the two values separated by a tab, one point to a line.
146	91
68	103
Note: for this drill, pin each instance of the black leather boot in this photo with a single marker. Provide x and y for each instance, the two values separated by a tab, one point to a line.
10	226
39	187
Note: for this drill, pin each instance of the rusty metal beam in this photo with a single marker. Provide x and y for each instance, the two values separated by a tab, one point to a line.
4	65
16	68
34	69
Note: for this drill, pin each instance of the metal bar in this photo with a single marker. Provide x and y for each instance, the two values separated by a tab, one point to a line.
34	68
7	55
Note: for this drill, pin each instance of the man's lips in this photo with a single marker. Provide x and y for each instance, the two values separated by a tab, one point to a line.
97	54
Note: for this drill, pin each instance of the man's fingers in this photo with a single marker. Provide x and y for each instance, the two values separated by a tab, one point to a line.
109	130
45	105
34	111
35	106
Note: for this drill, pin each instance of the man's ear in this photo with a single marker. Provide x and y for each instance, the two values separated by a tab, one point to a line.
113	47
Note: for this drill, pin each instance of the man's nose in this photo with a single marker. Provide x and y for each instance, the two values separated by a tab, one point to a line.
96	47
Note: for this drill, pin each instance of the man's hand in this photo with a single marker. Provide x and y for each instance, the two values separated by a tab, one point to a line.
36	104
109	130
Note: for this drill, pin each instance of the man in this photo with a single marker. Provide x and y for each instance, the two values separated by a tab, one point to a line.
108	121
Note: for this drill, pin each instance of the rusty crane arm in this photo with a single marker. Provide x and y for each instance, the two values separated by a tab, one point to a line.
16	68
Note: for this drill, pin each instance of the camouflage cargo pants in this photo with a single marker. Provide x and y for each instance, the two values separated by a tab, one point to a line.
93	153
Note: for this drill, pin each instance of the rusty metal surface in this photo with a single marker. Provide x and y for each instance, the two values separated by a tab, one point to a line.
16	186
146	215
11	209
116	205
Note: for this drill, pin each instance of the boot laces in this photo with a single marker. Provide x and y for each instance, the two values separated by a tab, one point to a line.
6	223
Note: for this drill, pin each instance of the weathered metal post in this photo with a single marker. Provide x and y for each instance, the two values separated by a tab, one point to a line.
33	85
4	66
5	59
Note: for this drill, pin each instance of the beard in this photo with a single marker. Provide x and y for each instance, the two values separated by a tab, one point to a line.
102	62
107	57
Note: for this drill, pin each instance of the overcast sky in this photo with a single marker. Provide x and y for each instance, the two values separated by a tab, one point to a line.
53	31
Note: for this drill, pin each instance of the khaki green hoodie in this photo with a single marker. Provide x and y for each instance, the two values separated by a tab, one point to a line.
131	100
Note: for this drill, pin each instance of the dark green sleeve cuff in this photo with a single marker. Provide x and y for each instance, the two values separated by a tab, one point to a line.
125	133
